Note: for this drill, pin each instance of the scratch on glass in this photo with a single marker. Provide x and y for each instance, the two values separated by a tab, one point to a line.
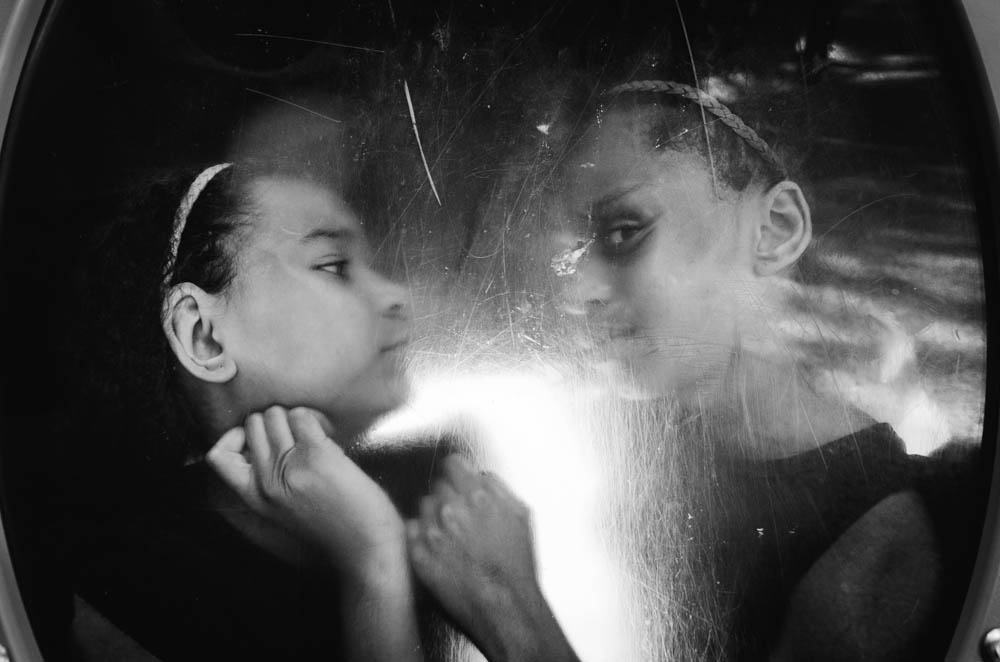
413	120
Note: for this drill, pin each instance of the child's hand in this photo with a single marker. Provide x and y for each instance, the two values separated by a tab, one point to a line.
288	470
472	546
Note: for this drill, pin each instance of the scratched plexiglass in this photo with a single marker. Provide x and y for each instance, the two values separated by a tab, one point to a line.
461	134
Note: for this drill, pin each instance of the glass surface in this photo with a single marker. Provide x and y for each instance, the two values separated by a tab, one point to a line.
473	141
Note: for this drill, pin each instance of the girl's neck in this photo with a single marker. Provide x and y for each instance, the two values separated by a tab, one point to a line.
220	408
767	410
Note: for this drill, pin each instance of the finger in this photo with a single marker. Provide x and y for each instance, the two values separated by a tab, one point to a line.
306	428
460	474
499	490
260	448
425	529
233	441
279	434
226	459
414	535
412	530
497	486
324	421
450	511
433	536
444	492
424	563
428	510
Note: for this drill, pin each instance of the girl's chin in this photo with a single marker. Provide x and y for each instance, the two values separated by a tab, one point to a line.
324	422
394	394
649	377
351	422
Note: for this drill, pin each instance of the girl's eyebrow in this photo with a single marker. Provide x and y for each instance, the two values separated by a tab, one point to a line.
609	200
339	234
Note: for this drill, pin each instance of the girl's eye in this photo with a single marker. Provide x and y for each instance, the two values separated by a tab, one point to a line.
621	237
337	267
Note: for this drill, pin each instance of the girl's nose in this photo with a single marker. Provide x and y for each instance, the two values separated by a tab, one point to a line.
589	288
392	299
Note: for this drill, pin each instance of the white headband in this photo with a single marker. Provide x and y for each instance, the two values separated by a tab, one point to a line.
184	209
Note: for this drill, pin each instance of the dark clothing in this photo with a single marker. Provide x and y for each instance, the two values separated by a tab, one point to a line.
765	523
184	584
187	586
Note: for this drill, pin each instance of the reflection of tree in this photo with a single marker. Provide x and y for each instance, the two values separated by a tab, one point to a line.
912	259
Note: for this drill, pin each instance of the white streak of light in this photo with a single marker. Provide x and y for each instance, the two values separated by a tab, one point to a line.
524	427
413	120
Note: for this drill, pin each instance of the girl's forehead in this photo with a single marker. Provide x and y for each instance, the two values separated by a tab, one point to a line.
296	207
616	163
619	125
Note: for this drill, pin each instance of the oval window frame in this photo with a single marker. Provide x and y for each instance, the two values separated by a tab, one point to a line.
22	32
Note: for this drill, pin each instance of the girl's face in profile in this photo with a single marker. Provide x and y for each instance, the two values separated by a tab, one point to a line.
308	321
661	282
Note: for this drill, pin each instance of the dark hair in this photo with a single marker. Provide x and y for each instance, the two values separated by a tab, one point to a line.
129	374
680	124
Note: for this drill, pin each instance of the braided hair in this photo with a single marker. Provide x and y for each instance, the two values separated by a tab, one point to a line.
131	395
737	153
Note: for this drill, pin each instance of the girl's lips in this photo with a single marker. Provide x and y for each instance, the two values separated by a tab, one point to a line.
621	332
399	344
629	345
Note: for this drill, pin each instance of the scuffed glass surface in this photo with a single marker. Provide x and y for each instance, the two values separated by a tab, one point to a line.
461	121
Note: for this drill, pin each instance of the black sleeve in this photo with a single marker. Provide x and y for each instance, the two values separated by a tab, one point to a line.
407	472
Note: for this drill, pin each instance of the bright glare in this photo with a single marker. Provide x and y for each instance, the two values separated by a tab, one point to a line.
527	430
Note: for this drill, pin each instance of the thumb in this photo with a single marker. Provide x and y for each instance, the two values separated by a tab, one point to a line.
307	428
227	460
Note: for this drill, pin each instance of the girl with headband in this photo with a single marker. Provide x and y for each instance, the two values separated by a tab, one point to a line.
810	526
241	298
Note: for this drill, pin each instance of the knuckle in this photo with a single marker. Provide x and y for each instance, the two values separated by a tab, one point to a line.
269	491
213	456
433	534
480	497
421	557
449	515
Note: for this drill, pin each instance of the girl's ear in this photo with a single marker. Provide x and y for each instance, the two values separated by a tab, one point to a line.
189	324
784	231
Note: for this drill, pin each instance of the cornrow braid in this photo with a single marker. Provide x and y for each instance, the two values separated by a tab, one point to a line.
710	104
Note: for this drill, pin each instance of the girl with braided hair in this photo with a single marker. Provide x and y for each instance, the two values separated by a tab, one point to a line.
808	519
